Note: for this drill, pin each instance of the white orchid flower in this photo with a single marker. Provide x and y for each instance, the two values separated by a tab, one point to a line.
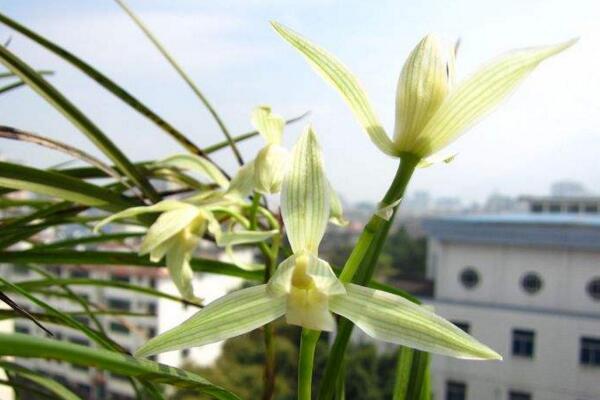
307	292
431	110
176	233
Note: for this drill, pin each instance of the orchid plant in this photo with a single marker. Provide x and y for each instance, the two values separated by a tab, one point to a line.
307	291
432	111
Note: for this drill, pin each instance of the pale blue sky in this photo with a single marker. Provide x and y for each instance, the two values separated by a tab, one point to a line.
548	130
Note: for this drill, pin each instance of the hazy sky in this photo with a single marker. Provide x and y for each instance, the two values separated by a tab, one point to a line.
548	130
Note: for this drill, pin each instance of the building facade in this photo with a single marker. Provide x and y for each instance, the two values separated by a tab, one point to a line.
156	315
529	287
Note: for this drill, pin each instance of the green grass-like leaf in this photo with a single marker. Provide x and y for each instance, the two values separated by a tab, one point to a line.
76	117
20	345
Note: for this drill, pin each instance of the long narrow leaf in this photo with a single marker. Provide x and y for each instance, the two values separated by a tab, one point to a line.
77	118
20	345
43	283
8	132
120	258
59	185
45	382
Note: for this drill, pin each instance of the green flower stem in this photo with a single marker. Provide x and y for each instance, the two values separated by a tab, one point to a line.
407	166
360	266
308	342
270	366
271	260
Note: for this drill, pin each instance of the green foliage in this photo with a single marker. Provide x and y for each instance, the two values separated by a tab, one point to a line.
402	256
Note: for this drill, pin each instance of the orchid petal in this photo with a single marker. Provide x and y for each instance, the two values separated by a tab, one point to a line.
304	196
178	263
167	225
242	183
232	315
478	95
334	72
269	125
392	318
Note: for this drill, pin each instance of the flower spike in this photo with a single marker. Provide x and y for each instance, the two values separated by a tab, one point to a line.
431	112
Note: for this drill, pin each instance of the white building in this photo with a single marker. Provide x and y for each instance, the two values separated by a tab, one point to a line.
529	287
130	332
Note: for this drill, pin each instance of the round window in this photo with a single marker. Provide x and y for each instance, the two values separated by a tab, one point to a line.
593	288
469	277
531	282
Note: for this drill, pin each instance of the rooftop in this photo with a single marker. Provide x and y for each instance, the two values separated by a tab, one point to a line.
571	231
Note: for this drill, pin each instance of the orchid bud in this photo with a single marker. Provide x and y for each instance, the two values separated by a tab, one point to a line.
269	168
423	85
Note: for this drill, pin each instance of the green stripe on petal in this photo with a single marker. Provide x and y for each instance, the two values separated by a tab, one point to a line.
391	318
478	95
198	164
334	72
269	125
232	315
305	196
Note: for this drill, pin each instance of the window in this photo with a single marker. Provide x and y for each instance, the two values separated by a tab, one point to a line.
83	390
120	278
531	283
119	328
523	343
54	270
591	209
152	308
469	277
593	288
465	326
456	390
79	341
119	304
514	395
151	332
20	270
153	283
590	352
22	329
573	208
80	273
537	208
554	208
185	353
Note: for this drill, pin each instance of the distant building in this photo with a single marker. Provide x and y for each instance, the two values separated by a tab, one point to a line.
561	204
130	332
529	287
567	188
